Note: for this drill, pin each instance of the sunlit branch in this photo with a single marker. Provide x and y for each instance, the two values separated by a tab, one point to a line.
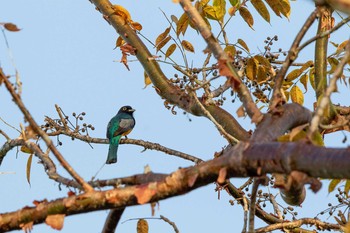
43	135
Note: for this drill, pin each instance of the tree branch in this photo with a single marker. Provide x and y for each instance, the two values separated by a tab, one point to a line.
164	87
42	134
292	55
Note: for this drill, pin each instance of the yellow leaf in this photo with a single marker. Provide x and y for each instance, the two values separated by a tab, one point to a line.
232	11
246	15
55	221
235	3
26	150
347	187
312	77
261	75
283	138
263	61
285	8
11	27
29	166
347	227
307	65
297	95
230	51
163	43
293	75
182	24
147	79
174	19
304	79
333	184
170	50
251	69
341	47
137	26
187	46
210	12
142	226
119	42
275	5
220	9
243	44
260	7
333	62
122	12
162	36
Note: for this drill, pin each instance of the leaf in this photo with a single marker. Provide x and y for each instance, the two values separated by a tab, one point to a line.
260	7
251	69
263	61
137	26
163	43
162	36
187	46
246	15
304	79
347	187
261	75
210	13
174	19
285	8
147	79
307	65
170	50
119	42
312	77
293	75
11	27
333	63
232	11
220	9
230	51
341	47
235	3
293	135
243	44
122	12
26	150
182	24
333	184
142	226
241	112
55	221
275	5
297	95
29	166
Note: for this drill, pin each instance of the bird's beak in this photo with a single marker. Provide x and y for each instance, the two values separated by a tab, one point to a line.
132	110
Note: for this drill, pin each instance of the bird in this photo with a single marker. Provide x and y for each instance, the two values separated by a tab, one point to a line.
120	125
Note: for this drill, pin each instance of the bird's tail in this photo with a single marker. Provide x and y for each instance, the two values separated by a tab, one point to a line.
112	151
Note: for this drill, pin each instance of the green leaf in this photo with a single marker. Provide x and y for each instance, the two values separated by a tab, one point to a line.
333	184
220	9
235	3
260	7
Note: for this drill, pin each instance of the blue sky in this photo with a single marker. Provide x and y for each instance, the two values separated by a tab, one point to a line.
64	54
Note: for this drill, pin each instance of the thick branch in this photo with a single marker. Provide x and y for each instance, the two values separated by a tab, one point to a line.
244	160
164	87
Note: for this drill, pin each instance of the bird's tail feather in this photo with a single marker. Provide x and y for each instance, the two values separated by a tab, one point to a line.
112	151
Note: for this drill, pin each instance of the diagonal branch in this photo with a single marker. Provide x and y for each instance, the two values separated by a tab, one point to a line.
42	134
164	87
224	61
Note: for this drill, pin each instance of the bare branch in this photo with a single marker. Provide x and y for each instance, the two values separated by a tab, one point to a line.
112	220
171	223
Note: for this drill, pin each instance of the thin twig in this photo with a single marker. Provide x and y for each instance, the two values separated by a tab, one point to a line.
246	211
275	206
229	138
171	223
252	205
330	89
292	55
17	99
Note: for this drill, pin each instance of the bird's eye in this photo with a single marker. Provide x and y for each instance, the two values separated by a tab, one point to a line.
124	109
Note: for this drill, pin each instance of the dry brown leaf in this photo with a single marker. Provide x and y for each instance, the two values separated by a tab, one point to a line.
55	221
187	46
142	226
240	112
11	27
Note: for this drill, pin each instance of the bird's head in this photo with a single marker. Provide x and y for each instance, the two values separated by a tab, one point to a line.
126	109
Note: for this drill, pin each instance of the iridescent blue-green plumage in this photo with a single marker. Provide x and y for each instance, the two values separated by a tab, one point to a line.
120	125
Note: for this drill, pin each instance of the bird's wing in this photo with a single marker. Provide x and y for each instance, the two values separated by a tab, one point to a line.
124	126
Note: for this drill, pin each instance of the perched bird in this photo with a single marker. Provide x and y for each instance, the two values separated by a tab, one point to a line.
120	125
